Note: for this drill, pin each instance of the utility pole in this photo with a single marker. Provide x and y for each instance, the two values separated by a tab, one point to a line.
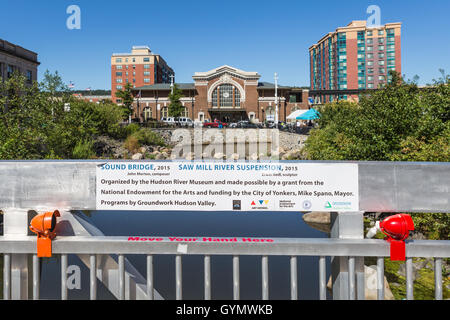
276	99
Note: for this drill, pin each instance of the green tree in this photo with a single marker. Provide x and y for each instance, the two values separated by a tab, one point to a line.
127	100
176	108
399	122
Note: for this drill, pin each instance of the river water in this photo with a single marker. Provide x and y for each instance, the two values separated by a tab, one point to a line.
218	224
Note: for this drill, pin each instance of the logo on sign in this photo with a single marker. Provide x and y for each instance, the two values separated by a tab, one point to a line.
260	204
236	204
306	204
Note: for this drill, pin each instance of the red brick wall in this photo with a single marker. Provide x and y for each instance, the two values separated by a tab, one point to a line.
352	64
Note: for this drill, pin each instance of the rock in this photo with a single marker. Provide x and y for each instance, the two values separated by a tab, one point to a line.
142	150
218	155
370	285
370	275
234	156
159	156
190	156
137	156
173	156
253	156
317	217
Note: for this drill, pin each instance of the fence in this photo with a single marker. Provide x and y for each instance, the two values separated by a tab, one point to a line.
383	187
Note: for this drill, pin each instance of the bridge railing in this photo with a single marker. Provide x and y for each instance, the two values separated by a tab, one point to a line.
292	248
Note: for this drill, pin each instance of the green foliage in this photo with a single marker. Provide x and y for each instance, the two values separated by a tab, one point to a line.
433	225
148	137
132	144
83	150
176	108
127	100
34	125
400	122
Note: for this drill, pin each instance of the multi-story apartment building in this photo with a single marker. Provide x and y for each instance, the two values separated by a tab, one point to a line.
15	58
352	59
139	68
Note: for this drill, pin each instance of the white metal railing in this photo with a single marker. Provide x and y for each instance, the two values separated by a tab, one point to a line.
290	247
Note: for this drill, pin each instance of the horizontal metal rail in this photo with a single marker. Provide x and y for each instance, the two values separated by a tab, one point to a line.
279	246
292	248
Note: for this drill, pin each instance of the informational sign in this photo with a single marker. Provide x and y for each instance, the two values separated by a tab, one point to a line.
224	186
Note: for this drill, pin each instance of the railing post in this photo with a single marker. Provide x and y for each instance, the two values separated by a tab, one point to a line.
16	222
347	225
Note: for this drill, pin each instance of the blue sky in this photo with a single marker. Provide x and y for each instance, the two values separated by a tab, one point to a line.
198	35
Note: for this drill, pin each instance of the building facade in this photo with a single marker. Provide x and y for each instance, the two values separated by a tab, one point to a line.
15	58
139	68
225	93
354	57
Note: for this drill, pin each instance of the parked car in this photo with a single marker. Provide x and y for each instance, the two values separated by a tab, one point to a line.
184	122
246	124
215	124
168	120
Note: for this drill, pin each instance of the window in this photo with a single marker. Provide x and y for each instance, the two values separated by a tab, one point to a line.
118	74
119	80
10	71
134	66
369	48
146	66
29	76
118	67
381	63
119	87
369	78
380	40
164	112
119	100
118	60
126	59
146	80
380	32
226	95
369	56
134	59
381	70
370	41
146	73
370	63
148	113
370	70
381	78
146	59
370	85
381	55
369	33
381	48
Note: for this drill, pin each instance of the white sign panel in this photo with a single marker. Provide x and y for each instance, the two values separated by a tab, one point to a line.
223	186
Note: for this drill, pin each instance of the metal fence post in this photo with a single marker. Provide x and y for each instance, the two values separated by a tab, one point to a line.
16	223
347	225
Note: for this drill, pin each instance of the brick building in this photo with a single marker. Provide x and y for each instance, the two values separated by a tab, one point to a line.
15	58
354	58
224	93
140	67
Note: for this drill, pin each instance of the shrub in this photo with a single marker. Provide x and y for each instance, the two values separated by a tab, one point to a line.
83	150
132	144
148	137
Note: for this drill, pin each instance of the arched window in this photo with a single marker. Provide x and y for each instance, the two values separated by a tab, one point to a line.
226	96
164	112
148	114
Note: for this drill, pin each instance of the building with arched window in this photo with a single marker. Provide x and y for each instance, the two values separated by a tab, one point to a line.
224	93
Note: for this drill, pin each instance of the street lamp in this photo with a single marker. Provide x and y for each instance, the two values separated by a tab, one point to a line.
276	99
